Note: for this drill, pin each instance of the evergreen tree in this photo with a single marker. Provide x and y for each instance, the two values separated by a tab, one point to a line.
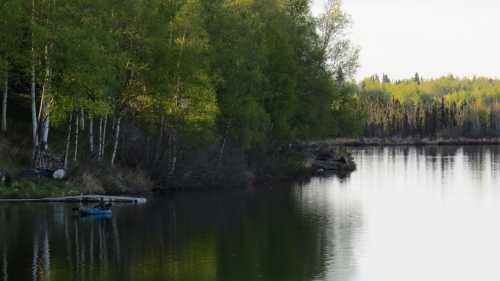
386	79
416	78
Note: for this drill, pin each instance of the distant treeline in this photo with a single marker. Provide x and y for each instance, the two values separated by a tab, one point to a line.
446	107
149	83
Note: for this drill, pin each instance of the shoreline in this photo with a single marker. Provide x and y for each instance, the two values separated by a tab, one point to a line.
45	191
399	141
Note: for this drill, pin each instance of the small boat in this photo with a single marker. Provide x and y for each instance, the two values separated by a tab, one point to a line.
95	211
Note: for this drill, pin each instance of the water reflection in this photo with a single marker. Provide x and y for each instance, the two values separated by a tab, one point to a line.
231	236
407	213
427	213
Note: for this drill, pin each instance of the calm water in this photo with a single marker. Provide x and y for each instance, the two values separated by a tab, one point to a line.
405	214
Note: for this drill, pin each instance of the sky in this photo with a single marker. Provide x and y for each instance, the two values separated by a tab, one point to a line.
431	37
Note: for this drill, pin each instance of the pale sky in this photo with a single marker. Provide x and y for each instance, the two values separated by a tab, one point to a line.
432	37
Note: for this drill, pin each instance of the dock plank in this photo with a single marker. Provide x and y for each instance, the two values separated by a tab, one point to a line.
80	198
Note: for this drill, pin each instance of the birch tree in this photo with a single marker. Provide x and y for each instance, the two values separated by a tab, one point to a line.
8	50
183	73
334	24
91	134
68	141
46	99
4	103
34	117
82	66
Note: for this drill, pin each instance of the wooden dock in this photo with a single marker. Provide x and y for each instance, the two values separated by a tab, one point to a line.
80	198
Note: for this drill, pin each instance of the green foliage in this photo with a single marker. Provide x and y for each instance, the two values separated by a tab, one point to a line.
273	84
254	71
445	106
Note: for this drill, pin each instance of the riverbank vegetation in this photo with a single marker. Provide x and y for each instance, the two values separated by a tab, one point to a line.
182	92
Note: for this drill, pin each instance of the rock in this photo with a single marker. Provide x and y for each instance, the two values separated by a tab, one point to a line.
324	158
4	178
331	160
59	174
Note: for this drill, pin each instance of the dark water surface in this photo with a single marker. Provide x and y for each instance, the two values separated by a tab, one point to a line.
405	214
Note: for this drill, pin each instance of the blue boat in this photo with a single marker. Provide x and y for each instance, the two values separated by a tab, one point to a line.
95	211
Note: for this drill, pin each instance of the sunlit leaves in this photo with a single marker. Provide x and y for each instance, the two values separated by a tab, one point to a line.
470	106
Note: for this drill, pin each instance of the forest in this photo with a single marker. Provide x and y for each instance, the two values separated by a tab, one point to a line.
203	90
444	107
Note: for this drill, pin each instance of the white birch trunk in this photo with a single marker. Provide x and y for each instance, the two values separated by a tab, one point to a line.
34	118
113	124
82	120
104	129
91	133
43	115
173	163
160	139
46	88
68	141
117	138
45	127
99	156
4	104
77	129
221	151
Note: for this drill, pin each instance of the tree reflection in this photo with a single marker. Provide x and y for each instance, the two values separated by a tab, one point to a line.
223	236
282	233
270	243
4	246
476	158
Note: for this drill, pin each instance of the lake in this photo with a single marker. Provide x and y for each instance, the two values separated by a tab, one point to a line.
407	213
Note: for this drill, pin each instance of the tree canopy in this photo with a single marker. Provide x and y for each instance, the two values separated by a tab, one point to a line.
255	72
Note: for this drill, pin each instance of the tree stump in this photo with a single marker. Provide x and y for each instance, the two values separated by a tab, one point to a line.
44	160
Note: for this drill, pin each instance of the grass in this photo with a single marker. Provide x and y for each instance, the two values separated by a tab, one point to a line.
14	159
114	181
39	188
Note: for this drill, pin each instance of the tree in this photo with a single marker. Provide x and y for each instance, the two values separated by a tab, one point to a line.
9	50
333	26
446	105
417	78
253	74
34	117
386	79
340	77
